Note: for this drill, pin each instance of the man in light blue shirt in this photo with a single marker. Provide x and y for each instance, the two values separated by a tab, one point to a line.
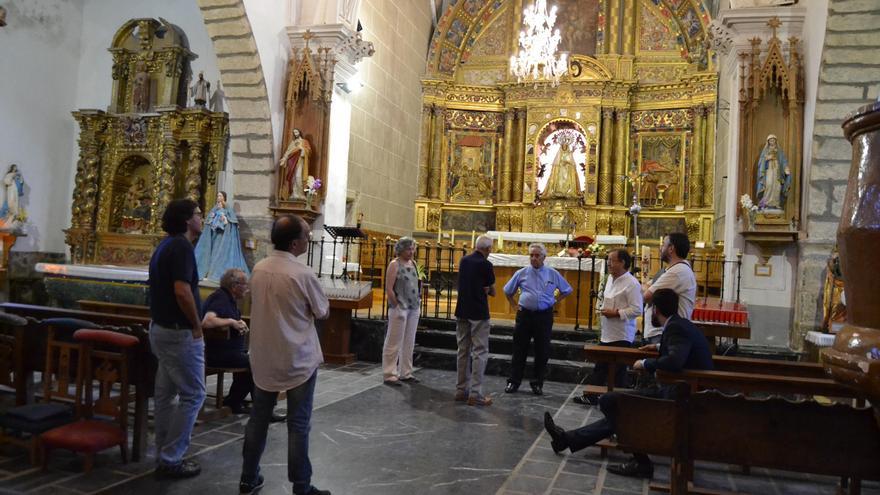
534	319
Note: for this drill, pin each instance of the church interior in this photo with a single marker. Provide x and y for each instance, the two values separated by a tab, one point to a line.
583	127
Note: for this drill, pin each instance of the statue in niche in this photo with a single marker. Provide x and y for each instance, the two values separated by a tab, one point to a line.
141	90
774	176
471	185
2	16
13	188
219	246
292	164
563	182
200	91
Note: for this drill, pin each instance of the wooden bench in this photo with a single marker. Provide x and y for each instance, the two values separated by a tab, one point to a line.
837	440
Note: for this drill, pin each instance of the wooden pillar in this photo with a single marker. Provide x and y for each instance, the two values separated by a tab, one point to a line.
425	153
436	152
621	155
695	181
613	27
709	157
519	156
506	186
606	174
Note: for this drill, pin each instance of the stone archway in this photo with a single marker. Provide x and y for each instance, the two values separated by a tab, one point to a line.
250	127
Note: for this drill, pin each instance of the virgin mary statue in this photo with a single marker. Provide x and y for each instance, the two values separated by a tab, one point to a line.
219	247
774	176
563	180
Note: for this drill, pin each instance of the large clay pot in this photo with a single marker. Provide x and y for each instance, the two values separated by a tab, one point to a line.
855	356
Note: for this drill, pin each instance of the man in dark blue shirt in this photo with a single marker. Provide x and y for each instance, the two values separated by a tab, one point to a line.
534	317
176	338
683	346
476	281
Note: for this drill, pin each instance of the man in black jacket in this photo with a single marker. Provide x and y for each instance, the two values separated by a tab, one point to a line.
683	346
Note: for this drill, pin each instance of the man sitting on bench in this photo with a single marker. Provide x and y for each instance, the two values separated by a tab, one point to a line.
683	346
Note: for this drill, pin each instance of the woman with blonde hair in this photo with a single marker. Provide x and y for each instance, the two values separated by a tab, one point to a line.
402	289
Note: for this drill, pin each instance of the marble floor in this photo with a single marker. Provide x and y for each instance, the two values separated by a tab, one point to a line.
372	439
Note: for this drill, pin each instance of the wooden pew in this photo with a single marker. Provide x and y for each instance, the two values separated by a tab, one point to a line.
145	365
836	440
114	308
750	383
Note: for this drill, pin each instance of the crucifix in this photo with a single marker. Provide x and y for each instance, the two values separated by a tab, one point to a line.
774	23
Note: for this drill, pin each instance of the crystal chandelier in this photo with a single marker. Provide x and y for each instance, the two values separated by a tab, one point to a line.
537	58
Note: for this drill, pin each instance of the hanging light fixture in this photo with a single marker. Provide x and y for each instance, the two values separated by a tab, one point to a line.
537	59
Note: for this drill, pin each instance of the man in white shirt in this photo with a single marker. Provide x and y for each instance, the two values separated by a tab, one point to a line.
621	305
678	276
285	353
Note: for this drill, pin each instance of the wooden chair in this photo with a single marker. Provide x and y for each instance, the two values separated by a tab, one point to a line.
22	425
108	356
213	334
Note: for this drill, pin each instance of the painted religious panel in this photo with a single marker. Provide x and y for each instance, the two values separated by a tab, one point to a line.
467	221
577	21
661	160
655	228
561	160
470	168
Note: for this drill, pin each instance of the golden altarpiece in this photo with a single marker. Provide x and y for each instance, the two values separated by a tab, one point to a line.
639	95
144	151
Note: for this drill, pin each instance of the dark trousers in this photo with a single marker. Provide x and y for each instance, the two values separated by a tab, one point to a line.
588	435
242	383
530	325
299	417
600	372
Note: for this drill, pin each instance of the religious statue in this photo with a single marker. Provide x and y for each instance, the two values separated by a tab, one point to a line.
291	165
834	300
13	188
136	208
140	92
774	176
219	247
2	16
471	185
563	181
200	91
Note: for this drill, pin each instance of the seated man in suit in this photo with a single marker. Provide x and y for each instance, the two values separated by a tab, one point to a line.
683	346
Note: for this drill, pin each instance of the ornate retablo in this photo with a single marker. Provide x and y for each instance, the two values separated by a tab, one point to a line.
144	151
640	92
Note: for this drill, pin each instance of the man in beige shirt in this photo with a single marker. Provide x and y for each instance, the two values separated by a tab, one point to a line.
284	352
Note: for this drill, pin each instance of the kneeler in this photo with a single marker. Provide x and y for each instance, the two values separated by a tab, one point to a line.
104	422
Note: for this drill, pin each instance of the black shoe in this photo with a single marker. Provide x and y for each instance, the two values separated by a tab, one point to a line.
411	379
315	491
245	488
186	469
557	434
537	388
587	400
511	387
238	408
393	383
278	418
633	469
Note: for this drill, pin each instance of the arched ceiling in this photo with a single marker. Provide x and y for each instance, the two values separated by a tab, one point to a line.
670	27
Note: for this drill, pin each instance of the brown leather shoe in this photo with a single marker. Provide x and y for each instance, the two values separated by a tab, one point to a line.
461	397
479	401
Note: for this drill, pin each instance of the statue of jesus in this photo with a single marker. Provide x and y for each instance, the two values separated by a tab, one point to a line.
291	165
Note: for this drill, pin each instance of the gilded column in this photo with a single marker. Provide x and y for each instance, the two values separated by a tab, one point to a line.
709	156
425	153
613	27
621	154
519	156
695	182
629	27
193	174
436	150
606	174
505	187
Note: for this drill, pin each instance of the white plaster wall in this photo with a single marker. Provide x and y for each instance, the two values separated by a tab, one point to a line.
39	50
268	20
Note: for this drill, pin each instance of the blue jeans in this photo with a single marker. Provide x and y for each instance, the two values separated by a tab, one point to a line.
181	374
299	416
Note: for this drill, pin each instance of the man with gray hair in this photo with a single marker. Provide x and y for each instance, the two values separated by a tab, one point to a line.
534	318
476	280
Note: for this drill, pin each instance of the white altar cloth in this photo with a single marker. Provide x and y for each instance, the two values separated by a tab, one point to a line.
605	240
101	272
557	262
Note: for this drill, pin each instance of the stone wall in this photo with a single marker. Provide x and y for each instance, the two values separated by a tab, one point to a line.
250	127
849	78
384	146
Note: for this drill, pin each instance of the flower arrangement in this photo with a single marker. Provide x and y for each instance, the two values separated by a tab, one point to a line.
750	209
595	249
313	185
